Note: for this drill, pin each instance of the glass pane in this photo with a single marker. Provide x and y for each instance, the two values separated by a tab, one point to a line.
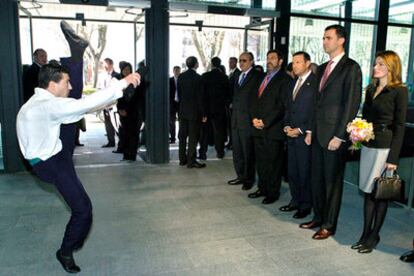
209	19
1	149
319	7
140	42
266	4
306	35
401	11
364	9
188	41
25	48
360	48
398	40
258	44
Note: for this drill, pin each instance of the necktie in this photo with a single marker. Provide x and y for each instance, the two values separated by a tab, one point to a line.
243	76
299	84
263	85
325	75
176	91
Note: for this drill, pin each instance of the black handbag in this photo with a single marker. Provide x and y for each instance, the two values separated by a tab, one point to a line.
388	187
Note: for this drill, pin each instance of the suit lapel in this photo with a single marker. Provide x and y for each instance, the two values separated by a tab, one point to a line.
336	71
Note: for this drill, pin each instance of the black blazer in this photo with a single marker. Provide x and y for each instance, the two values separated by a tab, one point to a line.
299	112
215	85
233	77
240	117
173	103
190	95
270	107
388	113
338	102
30	81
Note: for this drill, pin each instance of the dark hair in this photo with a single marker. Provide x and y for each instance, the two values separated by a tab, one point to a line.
191	62
289	67
340	30
109	61
305	55
216	62
233	58
123	66
277	52
250	54
51	72
37	51
258	68
176	67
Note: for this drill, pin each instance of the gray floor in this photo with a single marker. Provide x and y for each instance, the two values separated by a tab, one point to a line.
169	220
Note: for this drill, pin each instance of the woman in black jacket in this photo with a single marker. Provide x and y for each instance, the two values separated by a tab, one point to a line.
385	107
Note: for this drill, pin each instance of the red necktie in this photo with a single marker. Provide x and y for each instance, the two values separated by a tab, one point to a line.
263	85
325	75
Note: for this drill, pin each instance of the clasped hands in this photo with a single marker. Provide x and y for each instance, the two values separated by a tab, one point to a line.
257	123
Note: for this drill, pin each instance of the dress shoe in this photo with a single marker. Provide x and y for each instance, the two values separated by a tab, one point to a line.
368	246
172	141
67	262
196	165
270	199
256	194
322	234
109	145
302	213
202	157
77	44
117	151
310	224
288	208
357	245
247	186
220	155
78	144
235	182
408	257
183	163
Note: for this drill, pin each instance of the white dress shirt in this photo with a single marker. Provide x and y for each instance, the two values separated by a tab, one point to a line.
39	119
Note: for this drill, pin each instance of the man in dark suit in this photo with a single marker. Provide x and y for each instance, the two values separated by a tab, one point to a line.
299	110
266	113
215	86
104	82
234	74
174	102
31	75
191	113
243	149
336	104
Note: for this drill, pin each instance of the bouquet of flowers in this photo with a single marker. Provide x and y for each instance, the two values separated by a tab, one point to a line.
359	131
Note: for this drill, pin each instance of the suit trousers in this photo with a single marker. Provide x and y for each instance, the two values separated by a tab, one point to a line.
243	155
109	128
269	164
299	168
59	171
173	119
188	129
327	183
218	128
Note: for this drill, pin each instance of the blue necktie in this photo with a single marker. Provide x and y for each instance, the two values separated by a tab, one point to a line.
242	79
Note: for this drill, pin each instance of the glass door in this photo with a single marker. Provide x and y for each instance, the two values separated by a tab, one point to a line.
258	40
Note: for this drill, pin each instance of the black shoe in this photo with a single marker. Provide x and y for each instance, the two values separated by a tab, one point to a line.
358	245
288	208
183	163
235	182
408	257
369	245
303	213
172	141
220	155
67	262
109	145
247	186
196	165
117	151
76	43
202	157
78	144
256	194
270	199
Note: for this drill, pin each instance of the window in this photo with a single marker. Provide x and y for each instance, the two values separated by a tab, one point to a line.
398	40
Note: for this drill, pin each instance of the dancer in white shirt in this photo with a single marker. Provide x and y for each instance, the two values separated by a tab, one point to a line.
38	129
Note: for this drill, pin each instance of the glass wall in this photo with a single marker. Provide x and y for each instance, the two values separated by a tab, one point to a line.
398	40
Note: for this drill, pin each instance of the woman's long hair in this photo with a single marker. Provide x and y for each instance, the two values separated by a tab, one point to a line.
393	63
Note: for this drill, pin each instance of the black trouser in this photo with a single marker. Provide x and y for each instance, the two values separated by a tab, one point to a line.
269	164
299	166
131	136
59	170
217	125
243	155
327	183
173	119
109	128
188	129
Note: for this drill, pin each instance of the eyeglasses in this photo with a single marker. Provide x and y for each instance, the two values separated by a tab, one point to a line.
243	60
